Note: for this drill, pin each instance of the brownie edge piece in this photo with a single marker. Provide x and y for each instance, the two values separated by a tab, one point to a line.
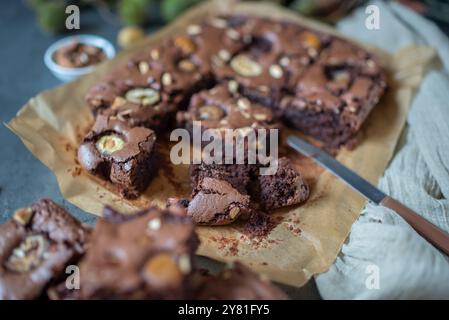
123	155
148	255
284	188
35	247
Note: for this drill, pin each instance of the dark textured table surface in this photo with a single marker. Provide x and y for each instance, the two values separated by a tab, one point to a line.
23	178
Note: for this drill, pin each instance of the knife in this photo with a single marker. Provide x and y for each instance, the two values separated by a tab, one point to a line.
426	229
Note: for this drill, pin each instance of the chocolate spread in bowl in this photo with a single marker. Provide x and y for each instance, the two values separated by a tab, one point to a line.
78	55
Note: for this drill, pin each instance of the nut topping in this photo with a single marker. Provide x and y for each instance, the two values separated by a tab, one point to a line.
311	40
154	224
211	112
218	23
193	29
243	104
184	264
234	212
118	102
312	52
143	96
224	55
260	116
162	271
233	34
23	215
245	66
124	114
186	65
233	86
275	71
154	54
341	75
166	79
143	67
109	144
187	46
28	254
284	61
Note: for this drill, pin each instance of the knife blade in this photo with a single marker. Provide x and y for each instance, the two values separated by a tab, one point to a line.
351	178
435	235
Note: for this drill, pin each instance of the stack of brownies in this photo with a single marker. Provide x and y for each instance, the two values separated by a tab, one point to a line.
229	72
47	254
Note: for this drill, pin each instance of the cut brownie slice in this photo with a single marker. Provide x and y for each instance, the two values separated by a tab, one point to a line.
335	95
36	245
284	188
216	202
132	93
147	257
237	282
123	155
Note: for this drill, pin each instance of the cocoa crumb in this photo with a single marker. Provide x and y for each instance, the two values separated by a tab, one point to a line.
259	225
229	245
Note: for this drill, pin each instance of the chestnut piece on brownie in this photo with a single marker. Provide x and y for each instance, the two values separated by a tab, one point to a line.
36	245
237	282
283	188
148	256
123	155
216	202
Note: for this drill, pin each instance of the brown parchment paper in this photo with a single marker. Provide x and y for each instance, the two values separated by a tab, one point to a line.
307	238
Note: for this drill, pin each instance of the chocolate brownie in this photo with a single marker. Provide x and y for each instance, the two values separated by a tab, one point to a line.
284	188
123	155
36	245
133	93
216	202
237	282
334	96
147	257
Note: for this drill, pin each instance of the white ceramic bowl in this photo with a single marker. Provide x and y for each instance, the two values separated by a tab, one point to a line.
69	74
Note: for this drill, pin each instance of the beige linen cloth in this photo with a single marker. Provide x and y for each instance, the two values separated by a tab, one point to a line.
384	258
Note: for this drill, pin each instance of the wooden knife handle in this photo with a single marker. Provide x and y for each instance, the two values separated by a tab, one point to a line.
426	229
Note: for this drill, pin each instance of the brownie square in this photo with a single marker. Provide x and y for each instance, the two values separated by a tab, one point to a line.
334	95
123	155
147	257
36	245
216	202
284	188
